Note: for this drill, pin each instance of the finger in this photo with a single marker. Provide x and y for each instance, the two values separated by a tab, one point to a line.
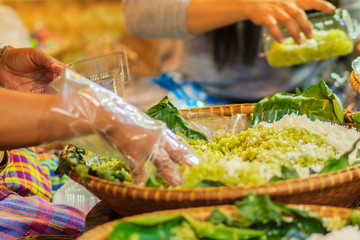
137	170
168	168
179	151
272	24
320	5
289	23
300	17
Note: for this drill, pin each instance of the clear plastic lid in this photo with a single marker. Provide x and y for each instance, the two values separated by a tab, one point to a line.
333	35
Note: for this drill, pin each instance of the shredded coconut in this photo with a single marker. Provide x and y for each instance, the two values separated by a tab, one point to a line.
346	233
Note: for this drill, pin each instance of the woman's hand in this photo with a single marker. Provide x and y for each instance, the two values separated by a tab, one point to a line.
203	16
290	13
27	69
83	107
158	144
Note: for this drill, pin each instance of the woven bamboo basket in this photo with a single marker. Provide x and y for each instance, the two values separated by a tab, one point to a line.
340	188
355	81
103	231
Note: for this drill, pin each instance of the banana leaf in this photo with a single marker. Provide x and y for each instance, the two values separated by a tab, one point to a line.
286	173
258	218
317	102
355	117
341	163
168	113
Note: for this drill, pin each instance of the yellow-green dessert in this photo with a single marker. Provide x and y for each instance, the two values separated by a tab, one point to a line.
323	45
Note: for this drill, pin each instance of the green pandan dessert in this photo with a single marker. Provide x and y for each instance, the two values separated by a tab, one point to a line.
324	44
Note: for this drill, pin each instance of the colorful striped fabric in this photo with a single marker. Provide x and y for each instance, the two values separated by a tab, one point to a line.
30	171
28	216
26	188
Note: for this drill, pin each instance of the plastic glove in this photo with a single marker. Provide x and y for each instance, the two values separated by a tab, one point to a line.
138	137
27	69
287	12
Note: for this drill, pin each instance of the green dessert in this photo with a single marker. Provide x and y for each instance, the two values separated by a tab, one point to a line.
323	45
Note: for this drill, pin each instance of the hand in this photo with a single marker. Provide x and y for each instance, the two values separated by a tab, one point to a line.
27	69
160	145
86	107
290	13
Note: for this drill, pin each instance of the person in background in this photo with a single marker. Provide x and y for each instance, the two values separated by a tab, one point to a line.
29	119
219	41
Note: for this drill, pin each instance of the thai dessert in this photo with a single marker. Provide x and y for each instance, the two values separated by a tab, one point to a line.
287	136
323	45
256	217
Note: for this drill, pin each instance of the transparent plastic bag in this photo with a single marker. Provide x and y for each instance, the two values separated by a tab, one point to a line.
115	128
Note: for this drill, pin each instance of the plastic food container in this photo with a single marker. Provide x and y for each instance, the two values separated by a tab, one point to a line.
110	71
333	35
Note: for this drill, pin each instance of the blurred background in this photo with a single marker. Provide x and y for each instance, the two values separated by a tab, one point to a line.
70	30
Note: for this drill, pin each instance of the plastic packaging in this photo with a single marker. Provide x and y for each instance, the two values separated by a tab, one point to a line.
114	126
110	71
333	35
75	195
356	66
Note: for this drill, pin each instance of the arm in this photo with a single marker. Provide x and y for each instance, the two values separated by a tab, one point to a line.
25	121
206	15
156	18
32	119
80	108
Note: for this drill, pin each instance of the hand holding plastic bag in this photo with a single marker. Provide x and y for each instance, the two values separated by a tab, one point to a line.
93	109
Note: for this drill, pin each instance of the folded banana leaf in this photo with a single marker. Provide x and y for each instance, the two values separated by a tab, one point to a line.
168	113
317	102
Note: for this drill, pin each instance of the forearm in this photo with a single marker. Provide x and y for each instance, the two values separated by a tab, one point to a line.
26	120
206	15
156	18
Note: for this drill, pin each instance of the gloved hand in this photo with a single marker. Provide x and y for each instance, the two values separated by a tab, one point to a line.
27	69
287	12
84	104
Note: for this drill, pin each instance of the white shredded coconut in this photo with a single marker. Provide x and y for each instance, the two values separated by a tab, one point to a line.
255	155
341	137
346	233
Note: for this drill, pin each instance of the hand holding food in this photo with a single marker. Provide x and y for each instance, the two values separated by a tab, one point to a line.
138	137
287	12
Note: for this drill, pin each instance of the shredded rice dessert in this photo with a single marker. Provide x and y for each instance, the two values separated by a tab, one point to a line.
255	155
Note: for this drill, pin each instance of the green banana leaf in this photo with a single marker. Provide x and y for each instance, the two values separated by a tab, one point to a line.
158	227
259	212
341	163
355	117
286	173
317	102
168	113
259	218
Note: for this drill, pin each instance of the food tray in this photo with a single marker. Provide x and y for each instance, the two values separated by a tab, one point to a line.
340	188
102	232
